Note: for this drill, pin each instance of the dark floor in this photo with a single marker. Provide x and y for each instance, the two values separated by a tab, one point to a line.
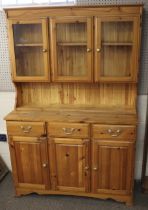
37	202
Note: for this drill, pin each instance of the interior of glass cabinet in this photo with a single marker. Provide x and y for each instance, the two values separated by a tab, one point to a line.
116	49
71	39
28	41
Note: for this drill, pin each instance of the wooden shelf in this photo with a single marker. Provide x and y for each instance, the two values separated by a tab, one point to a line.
117	43
81	108
72	44
74	114
29	45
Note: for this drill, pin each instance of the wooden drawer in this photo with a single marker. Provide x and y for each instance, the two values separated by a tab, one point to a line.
75	130
113	132
26	128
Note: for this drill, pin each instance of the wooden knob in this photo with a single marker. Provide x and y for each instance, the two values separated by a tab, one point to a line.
44	50
86	168
95	168
98	49
44	165
88	50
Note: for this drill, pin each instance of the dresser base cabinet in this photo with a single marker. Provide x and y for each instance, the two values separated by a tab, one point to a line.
73	128
76	164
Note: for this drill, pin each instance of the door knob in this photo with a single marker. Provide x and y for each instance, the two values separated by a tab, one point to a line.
88	50
95	168
44	50
98	49
44	165
86	168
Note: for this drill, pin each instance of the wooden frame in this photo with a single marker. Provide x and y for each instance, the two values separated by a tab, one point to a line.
135	49
16	149
55	77
17	78
97	170
83	147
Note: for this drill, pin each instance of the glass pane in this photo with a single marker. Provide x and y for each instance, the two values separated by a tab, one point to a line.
72	61
116	61
29	61
117	32
116	50
71	49
27	33
71	32
28	43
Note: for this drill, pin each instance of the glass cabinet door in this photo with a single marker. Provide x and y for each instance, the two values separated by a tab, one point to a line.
71	48
29	50
116	41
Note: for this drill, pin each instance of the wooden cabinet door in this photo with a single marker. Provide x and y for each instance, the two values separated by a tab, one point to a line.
29	50
30	162
112	167
70	170
116	48
71	49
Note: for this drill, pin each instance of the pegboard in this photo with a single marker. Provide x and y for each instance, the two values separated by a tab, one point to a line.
108	2
5	75
5	79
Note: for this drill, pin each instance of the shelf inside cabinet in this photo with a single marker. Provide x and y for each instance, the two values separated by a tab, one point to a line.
72	44
117	43
29	45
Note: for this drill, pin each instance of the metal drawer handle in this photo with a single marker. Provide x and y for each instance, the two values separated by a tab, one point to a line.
114	133
26	129
68	131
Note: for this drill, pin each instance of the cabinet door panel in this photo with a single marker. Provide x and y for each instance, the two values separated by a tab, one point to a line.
30	162
71	46
116	53
29	50
72	164
112	168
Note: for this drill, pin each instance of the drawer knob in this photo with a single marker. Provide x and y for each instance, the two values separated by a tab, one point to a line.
26	129
114	133
68	131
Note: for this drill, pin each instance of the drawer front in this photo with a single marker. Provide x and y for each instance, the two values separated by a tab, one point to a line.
113	132
26	128
75	130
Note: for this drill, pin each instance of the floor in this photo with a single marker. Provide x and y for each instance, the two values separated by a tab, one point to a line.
37	202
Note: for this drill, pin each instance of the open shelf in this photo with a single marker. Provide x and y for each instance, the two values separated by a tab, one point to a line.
72	44
29	45
75	114
117	43
79	108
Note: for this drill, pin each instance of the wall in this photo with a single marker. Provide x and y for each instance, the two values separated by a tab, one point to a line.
7	100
